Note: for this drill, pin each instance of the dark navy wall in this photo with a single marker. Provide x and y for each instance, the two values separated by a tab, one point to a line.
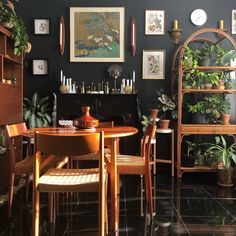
47	46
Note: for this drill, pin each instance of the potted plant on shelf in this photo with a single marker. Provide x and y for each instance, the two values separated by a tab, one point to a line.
190	58
210	107
211	54
8	18
225	156
36	112
212	79
164	104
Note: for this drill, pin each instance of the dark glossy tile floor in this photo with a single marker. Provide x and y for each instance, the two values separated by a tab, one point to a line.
193	205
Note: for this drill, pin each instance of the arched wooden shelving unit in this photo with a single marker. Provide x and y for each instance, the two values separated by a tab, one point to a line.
199	129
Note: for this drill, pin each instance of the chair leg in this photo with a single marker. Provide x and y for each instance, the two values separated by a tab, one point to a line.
36	212
50	206
27	187
141	195
148	190
10	196
106	209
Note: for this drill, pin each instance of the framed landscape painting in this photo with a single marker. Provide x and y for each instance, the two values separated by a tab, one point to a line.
97	34
154	64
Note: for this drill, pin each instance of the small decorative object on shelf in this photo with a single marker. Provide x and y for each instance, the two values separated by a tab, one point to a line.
133	36
114	72
176	32
86	121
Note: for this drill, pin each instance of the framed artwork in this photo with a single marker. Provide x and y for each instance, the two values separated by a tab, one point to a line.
153	64
154	22
42	26
40	66
233	22
97	34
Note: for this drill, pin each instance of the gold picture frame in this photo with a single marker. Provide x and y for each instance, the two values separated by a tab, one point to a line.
154	64
97	34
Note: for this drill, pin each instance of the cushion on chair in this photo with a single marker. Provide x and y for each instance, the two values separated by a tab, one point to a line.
69	180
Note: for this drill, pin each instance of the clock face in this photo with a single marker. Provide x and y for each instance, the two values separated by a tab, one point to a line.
198	17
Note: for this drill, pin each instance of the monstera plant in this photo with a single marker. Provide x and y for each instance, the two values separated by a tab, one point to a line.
37	112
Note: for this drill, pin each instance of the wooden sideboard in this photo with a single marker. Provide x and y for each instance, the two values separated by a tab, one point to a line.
103	107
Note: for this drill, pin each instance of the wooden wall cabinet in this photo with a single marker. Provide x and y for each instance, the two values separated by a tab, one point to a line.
11	94
11	81
186	129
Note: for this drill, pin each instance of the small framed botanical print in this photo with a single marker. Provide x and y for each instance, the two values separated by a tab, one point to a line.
233	22
40	66
42	26
154	22
153	64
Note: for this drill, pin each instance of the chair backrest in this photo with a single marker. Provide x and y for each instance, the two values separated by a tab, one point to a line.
147	140
70	144
13	131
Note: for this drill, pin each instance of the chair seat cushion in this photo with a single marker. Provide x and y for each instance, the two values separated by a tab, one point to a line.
69	180
130	165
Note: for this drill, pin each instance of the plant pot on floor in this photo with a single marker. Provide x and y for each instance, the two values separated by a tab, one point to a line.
225	177
164	124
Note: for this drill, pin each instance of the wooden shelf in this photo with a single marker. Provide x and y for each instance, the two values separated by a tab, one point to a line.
209	91
5	31
187	129
212	68
198	169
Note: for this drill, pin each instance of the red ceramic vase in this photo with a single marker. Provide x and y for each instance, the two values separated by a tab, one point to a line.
86	121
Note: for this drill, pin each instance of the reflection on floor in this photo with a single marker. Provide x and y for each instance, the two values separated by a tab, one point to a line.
194	205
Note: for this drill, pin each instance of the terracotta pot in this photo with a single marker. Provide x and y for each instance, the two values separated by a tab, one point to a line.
86	121
221	85
164	124
153	113
225	118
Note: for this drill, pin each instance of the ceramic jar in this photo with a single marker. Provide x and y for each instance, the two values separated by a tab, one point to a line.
86	121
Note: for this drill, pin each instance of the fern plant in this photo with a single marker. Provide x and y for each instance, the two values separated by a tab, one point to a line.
37	112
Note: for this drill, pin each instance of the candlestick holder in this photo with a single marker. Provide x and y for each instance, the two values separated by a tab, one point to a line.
176	35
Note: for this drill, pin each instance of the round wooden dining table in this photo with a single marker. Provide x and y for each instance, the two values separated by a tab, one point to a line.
111	135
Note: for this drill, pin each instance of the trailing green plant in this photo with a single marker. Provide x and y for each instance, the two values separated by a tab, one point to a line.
222	152
17	29
37	112
190	57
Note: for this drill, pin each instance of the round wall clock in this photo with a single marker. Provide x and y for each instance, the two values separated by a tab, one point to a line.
198	17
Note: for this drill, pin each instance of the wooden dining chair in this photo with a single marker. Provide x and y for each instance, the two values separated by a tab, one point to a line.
19	165
140	165
94	156
69	180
